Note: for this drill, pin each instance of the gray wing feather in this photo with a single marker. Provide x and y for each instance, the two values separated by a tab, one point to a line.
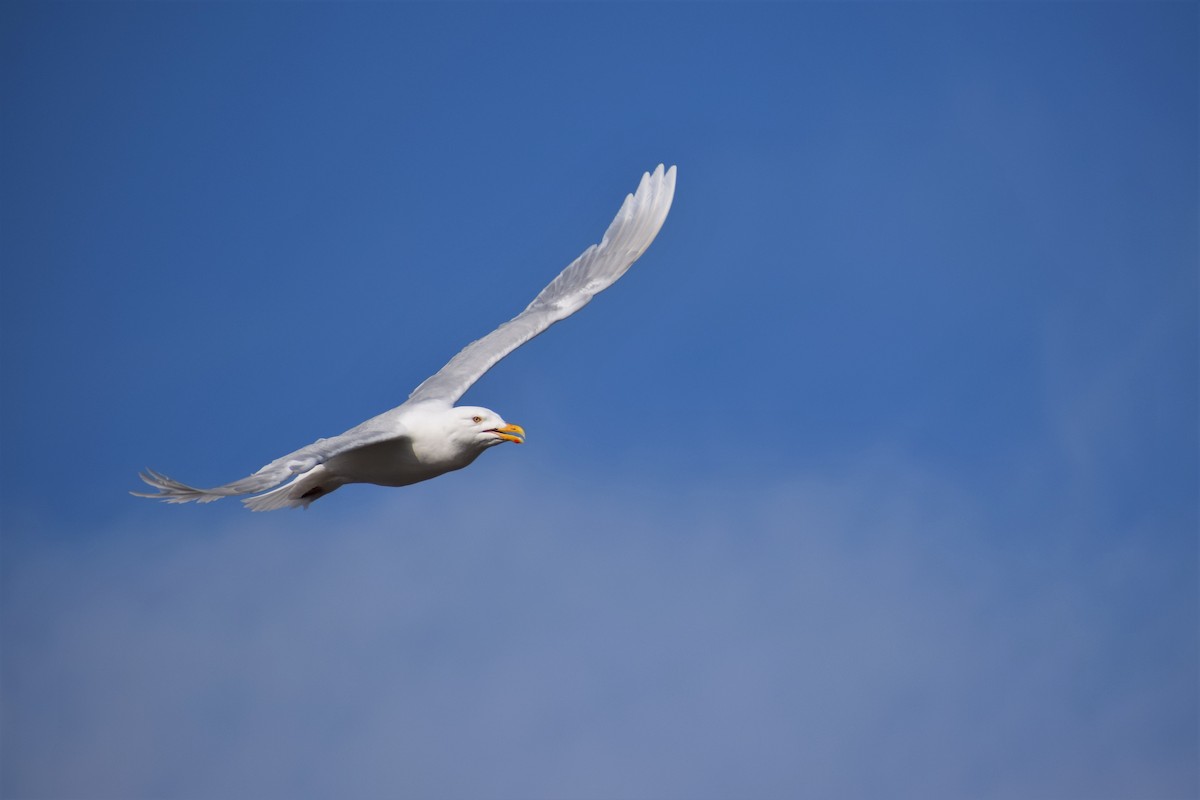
384	427
631	232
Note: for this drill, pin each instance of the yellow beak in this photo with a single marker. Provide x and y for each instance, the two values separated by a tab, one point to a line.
511	433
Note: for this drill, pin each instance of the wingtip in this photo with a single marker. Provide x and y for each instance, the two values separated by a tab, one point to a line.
170	490
662	178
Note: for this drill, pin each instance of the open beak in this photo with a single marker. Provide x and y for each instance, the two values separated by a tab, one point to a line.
511	433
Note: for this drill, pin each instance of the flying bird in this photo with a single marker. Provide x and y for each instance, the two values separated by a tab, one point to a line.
428	435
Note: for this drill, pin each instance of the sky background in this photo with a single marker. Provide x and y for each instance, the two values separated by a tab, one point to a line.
875	477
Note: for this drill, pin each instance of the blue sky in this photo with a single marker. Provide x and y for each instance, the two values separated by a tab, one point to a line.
877	476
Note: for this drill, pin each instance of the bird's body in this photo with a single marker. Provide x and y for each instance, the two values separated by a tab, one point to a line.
428	435
430	440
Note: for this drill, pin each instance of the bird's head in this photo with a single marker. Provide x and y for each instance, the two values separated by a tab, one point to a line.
485	427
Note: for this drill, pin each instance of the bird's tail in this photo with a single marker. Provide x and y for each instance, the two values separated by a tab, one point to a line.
300	493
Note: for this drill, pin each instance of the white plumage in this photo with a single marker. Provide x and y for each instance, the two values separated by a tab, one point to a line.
428	435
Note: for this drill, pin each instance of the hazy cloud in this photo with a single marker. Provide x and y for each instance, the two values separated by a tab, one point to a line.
858	635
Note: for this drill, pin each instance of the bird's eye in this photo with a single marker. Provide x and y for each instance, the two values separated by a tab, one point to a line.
477	420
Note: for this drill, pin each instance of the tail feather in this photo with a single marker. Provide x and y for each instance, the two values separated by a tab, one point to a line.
299	493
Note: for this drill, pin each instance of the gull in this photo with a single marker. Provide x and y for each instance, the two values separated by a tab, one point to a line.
428	435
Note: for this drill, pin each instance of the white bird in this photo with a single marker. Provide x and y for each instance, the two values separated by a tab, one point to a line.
428	435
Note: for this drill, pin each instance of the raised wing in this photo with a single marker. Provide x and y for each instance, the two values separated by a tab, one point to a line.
382	428
636	224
